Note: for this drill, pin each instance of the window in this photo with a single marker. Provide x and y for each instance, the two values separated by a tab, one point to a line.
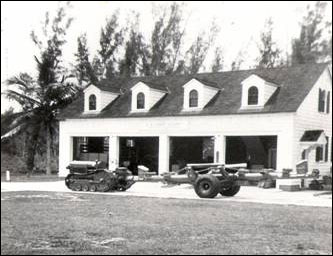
319	154
92	102
322	99
253	96
140	101
327	148
304	155
328	102
194	99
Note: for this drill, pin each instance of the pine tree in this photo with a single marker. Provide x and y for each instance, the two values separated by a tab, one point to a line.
269	52
311	47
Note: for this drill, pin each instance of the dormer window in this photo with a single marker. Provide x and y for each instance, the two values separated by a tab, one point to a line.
92	102
96	98
194	99
256	92
198	93
140	101
253	96
145	96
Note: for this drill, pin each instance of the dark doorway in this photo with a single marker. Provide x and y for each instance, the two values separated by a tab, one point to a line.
91	149
186	150
258	152
135	151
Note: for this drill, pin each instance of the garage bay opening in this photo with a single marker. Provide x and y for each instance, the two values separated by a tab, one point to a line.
188	150
137	151
91	149
259	152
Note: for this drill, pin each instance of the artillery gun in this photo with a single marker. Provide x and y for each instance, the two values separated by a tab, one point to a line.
92	176
209	180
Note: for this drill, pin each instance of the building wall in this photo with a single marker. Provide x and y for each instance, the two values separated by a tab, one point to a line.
155	97
309	118
97	92
107	98
280	125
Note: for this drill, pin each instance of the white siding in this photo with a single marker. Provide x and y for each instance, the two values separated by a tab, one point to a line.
205	94
209	94
266	90
155	96
103	98
107	98
152	96
280	125
309	118
90	91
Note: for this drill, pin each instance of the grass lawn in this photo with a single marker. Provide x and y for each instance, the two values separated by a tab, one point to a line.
68	223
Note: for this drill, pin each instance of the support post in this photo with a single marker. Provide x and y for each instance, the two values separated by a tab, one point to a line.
164	154
219	149
113	152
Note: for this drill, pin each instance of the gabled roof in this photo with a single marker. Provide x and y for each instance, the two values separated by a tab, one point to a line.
295	84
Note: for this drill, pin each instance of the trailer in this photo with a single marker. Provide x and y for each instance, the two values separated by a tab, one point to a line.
211	179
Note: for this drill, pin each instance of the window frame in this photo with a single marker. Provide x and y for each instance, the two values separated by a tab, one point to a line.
92	102
322	101
140	101
320	154
250	96
193	102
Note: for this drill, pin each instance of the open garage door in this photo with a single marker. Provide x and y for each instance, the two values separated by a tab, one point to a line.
91	149
185	150
135	151
258	151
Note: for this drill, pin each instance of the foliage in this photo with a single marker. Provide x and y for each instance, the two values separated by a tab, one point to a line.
269	52
41	97
83	69
218	61
162	54
111	40
311	47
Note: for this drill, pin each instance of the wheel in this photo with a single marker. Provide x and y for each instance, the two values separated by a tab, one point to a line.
103	187
207	186
230	191
92	188
85	187
77	187
69	181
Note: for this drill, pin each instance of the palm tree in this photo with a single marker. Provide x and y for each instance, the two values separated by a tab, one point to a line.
40	100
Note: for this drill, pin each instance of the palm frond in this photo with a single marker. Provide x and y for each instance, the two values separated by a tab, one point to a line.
23	80
21	98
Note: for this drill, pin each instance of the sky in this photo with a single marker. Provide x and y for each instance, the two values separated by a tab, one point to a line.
240	22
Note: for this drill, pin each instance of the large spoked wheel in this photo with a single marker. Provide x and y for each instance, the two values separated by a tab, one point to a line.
230	191
207	186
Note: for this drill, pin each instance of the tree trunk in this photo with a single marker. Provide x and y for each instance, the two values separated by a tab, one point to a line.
48	151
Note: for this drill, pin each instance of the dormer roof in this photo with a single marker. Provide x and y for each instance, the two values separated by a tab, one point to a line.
294	84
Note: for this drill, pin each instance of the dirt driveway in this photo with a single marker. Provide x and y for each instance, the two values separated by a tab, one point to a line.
160	190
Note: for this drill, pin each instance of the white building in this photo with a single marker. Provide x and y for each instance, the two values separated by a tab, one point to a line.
270	118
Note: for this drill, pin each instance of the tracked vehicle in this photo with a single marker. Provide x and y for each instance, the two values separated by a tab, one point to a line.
92	176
